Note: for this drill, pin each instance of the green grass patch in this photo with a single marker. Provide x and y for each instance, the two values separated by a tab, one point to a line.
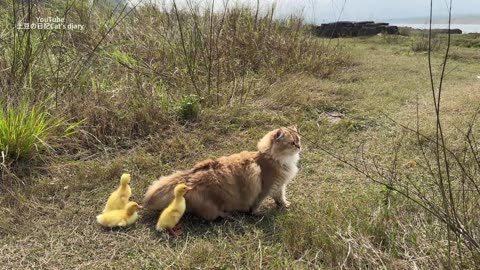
26	130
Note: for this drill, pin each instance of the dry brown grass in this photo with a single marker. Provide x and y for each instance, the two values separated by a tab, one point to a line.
127	72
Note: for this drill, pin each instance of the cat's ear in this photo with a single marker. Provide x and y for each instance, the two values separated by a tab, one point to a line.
279	135
294	128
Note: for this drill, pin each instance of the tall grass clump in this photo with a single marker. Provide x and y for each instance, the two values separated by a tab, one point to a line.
26	130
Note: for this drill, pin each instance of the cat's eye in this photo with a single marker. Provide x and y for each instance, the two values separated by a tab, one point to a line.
293	143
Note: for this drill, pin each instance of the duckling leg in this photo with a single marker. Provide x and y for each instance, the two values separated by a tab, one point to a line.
171	232
179	231
175	232
177	227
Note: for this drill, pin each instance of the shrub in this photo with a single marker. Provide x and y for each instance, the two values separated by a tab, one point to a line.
405	31
420	43
393	39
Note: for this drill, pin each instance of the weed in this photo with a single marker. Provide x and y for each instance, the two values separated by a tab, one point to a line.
188	108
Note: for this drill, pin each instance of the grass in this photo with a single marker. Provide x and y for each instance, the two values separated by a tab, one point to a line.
26	130
131	96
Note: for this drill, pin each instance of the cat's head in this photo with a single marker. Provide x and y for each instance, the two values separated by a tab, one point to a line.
281	142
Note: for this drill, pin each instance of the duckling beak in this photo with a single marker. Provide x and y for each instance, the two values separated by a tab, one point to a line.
189	188
140	207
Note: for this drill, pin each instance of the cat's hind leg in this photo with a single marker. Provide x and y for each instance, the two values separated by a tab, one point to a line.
208	211
255	209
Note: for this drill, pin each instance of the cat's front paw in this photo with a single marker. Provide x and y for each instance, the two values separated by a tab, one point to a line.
283	204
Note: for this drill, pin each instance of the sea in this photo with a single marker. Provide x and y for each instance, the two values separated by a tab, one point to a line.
466	28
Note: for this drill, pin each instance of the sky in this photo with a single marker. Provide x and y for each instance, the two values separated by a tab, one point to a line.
329	10
319	11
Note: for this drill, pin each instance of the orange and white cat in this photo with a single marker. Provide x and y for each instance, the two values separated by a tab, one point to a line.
239	182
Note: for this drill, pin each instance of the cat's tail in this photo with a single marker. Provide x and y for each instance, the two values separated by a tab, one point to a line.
160	193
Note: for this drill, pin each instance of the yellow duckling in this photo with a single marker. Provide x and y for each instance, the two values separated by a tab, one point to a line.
119	198
120	218
170	217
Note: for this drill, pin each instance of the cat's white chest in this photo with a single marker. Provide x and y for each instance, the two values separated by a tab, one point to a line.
290	165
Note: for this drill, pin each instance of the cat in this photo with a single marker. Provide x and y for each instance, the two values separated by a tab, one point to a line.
239	182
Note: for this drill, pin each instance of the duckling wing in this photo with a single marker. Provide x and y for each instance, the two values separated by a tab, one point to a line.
110	219
169	218
132	219
176	214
